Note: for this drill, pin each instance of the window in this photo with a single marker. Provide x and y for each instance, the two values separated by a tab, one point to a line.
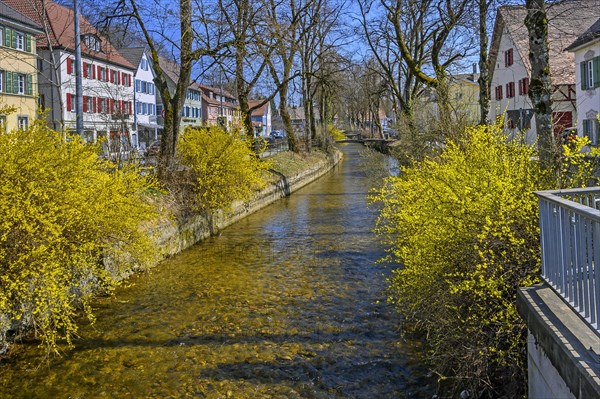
499	93
524	86
510	89
1	35
1	81
40	64
87	70
591	129
92	42
144	64
19	41
22	122
2	122
508	57
89	105
20	84
590	73
144	108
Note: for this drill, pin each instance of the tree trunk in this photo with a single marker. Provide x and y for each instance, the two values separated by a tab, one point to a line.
540	86
287	121
484	84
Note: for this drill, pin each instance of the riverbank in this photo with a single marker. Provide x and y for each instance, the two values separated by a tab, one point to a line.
172	234
289	173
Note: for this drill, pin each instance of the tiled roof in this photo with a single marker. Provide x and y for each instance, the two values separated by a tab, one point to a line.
260	111
59	21
133	54
567	20
10	14
216	90
589	35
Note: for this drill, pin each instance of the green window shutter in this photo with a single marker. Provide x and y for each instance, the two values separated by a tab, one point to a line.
29	85
596	63
28	42
583	69
13	38
15	88
8	87
7	37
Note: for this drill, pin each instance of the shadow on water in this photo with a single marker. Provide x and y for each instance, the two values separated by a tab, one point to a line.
287	303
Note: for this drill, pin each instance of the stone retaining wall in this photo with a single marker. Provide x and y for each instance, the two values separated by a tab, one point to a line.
178	235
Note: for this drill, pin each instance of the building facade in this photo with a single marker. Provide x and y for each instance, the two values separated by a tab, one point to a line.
145	99
18	69
261	118
587	68
219	107
107	77
511	69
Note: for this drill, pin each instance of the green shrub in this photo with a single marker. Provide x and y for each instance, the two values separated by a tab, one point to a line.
465	228
63	211
224	166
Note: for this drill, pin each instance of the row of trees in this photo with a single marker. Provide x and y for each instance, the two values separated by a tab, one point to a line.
261	46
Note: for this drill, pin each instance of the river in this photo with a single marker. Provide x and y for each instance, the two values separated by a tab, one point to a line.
287	303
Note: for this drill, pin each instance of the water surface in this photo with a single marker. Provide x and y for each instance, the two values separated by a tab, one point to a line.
287	303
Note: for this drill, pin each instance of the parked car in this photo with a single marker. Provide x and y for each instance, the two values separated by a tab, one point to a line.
278	134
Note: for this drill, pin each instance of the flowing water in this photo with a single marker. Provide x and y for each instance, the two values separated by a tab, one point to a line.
287	303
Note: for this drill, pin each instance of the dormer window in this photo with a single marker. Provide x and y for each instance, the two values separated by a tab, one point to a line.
92	42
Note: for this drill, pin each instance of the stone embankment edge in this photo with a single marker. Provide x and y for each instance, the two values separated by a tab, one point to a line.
178	235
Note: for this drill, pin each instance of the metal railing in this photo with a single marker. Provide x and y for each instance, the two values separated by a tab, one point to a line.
570	240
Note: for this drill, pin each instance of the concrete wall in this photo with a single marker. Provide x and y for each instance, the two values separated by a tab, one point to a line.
563	350
544	381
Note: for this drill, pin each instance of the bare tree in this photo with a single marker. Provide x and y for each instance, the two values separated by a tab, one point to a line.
188	42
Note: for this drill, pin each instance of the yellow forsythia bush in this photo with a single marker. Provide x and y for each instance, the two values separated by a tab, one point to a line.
63	211
224	166
464	227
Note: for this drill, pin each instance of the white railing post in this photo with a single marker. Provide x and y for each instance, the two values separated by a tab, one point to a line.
570	243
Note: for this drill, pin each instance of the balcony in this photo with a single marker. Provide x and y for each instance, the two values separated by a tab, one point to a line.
570	241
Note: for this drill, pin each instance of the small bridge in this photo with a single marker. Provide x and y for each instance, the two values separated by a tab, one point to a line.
377	143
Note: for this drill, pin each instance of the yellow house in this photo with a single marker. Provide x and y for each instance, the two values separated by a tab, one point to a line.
18	68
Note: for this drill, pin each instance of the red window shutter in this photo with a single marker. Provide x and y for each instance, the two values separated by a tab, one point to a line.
93	72
69	66
94	100
510	56
129	103
521	87
69	101
526	86
85	69
118	77
111	105
99	73
85	105
129	80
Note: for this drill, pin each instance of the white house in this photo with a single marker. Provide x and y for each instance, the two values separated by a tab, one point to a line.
145	118
261	118
107	76
511	69
587	68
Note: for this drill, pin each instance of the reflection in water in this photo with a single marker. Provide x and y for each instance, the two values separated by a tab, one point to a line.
287	303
